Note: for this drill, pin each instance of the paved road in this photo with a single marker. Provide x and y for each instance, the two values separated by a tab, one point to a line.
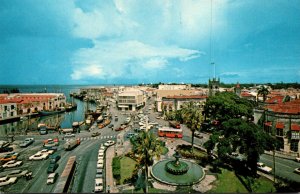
283	168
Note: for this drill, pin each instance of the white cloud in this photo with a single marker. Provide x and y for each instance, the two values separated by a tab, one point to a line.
113	59
91	71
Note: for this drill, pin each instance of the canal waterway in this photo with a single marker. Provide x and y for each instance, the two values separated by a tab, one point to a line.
64	120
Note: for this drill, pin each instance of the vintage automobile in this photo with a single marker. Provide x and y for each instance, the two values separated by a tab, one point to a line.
39	156
7	180
12	163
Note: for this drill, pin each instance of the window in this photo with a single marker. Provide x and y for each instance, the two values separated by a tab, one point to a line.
279	132
294	145
295	135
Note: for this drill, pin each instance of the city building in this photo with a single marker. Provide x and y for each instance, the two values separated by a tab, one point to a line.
173	103
130	100
213	86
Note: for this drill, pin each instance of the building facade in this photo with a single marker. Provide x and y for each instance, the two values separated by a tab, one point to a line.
130	100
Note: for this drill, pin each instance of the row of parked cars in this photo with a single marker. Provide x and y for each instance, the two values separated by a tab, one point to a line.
11	176
100	165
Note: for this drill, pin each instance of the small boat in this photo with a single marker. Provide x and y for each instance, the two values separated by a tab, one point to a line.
51	112
70	107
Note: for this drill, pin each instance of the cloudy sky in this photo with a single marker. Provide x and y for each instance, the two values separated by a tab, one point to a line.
136	41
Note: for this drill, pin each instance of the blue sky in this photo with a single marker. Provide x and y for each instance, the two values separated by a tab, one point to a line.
134	41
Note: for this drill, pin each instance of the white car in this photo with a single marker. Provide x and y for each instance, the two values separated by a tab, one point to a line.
12	163
39	156
298	159
52	178
46	151
261	166
100	164
101	151
7	180
109	143
101	154
198	134
68	135
98	185
102	147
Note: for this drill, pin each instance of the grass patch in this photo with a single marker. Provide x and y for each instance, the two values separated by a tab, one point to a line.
127	167
228	182
264	185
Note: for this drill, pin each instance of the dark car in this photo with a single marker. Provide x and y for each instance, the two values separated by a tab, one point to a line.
54	158
111	125
52	167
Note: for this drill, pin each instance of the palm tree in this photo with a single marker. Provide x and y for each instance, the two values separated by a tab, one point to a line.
192	117
263	91
146	146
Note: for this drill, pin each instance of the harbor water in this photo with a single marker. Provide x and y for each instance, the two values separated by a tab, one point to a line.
64	120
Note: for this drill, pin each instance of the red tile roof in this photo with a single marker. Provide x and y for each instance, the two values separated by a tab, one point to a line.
275	100
246	94
295	127
269	124
279	125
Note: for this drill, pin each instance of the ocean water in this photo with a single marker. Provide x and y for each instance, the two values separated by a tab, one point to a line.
64	120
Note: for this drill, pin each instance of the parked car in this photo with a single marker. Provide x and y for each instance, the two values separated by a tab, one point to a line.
298	159
39	156
111	125
99	173
262	167
96	134
18	173
52	178
198	134
46	151
297	170
109	143
7	180
27	142
98	185
52	167
9	156
12	163
54	158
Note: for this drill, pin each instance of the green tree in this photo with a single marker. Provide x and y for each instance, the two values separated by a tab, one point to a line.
191	115
242	136
264	92
226	105
146	146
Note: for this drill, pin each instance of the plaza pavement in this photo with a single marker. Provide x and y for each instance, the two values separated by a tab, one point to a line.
120	148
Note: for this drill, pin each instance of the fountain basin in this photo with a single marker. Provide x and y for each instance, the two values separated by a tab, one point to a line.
194	174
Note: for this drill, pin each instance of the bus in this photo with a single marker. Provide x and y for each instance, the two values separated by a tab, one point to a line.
66	176
170	132
174	124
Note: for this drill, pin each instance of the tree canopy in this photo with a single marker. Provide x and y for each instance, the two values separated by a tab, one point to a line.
226	105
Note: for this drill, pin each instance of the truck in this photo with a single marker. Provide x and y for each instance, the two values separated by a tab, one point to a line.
26	142
174	124
72	143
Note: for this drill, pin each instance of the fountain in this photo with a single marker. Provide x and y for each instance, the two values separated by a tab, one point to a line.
177	172
177	167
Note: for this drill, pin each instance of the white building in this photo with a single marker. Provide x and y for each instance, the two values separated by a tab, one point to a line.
130	100
174	87
8	108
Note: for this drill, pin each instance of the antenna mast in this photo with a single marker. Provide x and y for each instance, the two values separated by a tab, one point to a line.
211	24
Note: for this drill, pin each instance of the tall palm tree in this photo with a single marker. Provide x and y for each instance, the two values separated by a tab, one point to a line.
192	117
264	92
146	146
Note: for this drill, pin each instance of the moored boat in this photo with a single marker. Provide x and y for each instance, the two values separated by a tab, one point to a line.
51	112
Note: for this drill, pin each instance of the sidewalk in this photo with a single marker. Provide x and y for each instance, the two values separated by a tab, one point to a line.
110	183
